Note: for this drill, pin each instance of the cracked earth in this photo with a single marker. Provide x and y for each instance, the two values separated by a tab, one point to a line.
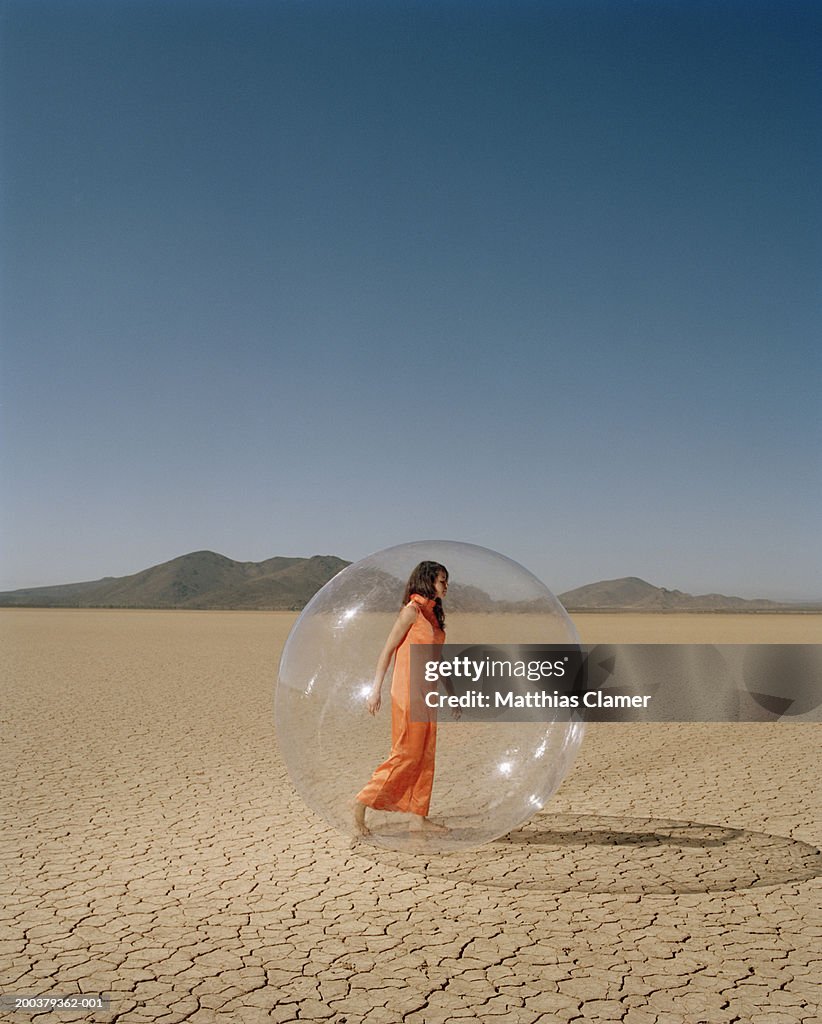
154	850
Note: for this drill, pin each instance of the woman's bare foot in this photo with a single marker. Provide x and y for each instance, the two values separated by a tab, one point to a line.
419	823
360	828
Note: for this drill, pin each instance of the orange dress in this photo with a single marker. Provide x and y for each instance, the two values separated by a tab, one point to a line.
405	780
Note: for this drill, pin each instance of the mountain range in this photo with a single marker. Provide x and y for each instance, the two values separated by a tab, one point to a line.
629	593
205	579
202	579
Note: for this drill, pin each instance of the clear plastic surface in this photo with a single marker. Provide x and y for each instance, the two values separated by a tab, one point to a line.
490	777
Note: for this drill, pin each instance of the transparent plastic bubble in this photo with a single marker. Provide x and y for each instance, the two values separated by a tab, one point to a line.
490	776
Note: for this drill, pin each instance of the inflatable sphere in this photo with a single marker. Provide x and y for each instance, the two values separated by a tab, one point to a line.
489	776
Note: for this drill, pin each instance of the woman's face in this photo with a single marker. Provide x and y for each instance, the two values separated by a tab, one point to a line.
441	584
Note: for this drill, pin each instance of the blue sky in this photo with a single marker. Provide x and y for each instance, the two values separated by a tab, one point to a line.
296	278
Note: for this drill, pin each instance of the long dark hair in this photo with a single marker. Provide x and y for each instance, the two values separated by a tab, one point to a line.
421	581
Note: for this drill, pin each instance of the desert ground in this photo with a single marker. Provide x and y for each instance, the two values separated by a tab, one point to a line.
154	850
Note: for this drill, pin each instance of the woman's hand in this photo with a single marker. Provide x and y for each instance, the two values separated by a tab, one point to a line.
374	701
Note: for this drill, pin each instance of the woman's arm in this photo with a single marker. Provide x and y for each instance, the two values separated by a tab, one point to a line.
399	631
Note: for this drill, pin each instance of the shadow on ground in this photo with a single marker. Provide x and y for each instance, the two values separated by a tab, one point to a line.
617	854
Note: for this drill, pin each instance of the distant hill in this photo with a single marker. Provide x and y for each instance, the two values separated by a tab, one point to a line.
633	594
205	579
202	579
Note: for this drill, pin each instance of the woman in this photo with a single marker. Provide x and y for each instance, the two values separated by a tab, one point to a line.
404	781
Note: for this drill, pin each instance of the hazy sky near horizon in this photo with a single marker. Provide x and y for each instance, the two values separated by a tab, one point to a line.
294	278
